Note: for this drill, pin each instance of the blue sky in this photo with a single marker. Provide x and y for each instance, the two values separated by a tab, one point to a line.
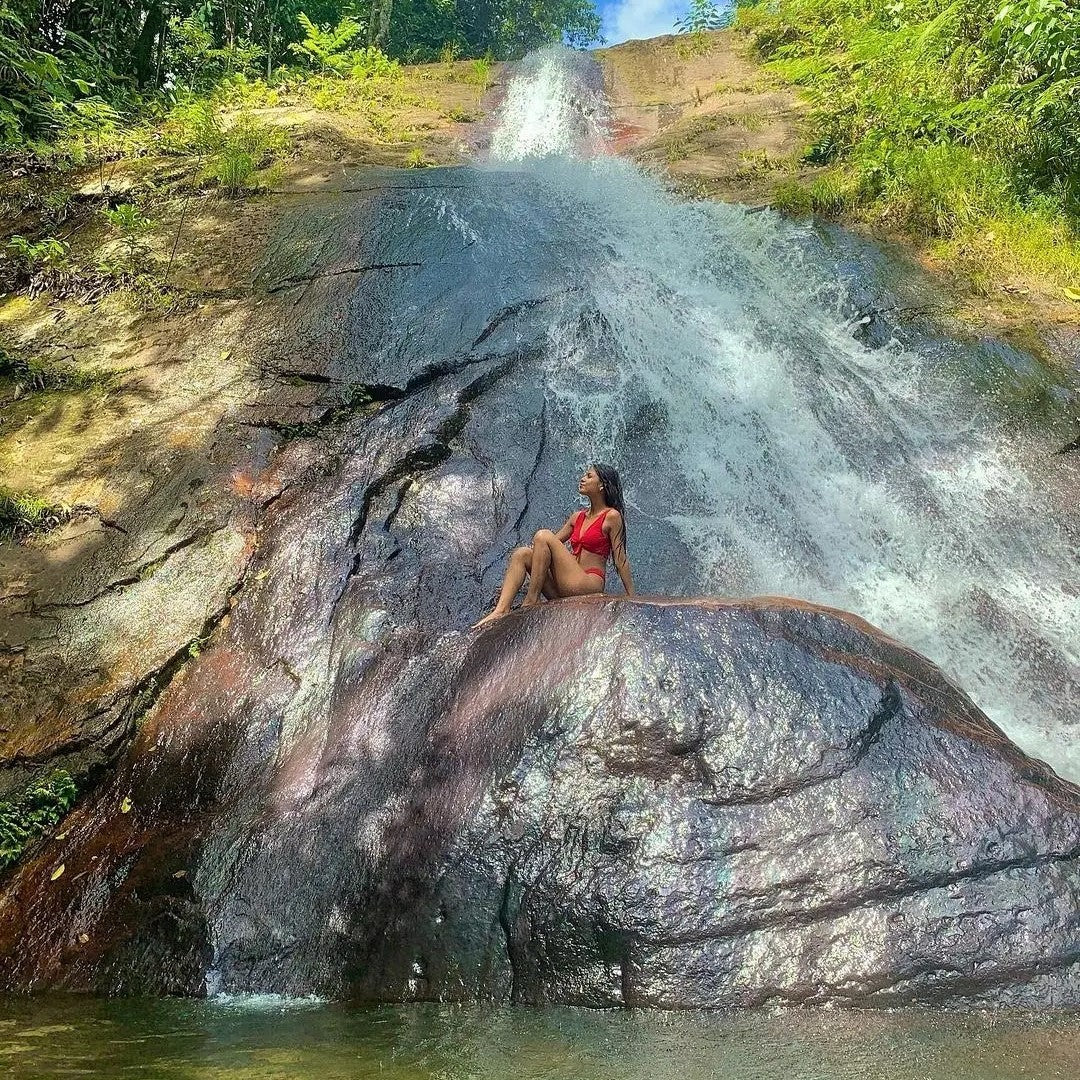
626	19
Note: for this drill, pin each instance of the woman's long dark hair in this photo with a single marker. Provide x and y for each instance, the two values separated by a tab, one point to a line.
613	496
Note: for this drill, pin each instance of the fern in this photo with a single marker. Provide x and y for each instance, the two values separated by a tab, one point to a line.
325	47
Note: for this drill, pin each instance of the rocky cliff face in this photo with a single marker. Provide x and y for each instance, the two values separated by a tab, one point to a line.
672	804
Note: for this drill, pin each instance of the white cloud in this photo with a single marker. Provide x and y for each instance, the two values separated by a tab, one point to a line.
628	19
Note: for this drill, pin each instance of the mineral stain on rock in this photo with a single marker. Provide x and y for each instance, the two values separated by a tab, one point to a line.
602	802
298	774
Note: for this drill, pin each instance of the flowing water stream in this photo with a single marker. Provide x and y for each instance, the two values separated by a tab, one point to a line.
715	356
721	360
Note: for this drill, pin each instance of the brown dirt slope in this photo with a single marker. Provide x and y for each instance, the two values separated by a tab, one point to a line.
706	113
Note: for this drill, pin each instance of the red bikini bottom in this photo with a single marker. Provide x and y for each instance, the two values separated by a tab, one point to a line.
593	570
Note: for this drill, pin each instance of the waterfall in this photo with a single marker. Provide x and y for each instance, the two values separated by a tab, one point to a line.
277	819
719	367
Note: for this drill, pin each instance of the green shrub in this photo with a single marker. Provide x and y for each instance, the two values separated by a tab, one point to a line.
21	514
196	63
247	93
35	256
372	63
39	264
25	818
944	113
479	72
248	149
191	126
324	47
234	169
132	227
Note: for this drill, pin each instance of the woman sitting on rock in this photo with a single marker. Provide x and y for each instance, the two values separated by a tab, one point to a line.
594	534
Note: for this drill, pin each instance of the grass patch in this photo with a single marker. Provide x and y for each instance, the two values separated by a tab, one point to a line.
830	195
756	163
32	375
246	157
26	818
22	514
953	121
1023	243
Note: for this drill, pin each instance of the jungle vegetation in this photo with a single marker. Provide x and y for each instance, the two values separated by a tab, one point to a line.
79	66
953	120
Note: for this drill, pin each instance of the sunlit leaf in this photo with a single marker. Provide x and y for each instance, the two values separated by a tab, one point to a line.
57	872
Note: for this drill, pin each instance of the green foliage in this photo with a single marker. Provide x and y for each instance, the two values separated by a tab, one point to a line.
326	47
74	78
1040	35
941	113
132	227
25	818
38	263
480	72
372	63
195	60
702	16
34	83
191	127
37	255
247	149
233	169
22	514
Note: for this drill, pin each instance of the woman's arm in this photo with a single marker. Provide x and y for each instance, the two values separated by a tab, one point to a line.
565	532
613	526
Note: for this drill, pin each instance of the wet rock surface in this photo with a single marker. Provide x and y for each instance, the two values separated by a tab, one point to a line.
314	781
601	802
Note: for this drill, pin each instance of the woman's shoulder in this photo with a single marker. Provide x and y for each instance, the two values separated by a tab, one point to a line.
612	517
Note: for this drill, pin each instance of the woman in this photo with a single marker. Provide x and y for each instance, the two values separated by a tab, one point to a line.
594	534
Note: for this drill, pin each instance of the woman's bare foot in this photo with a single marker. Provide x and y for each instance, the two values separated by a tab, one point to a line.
530	602
489	618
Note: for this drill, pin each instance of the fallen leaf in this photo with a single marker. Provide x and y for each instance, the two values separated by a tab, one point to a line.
226	354
57	872
180	873
84	938
60	835
125	806
1071	294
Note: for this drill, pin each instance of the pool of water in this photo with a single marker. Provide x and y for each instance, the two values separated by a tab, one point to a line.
270	1038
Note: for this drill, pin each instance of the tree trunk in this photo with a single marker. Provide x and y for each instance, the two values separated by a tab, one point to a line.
270	39
383	29
143	53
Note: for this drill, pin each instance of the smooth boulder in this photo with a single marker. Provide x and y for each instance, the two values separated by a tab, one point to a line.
603	802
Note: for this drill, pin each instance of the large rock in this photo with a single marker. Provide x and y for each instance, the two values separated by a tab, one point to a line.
601	802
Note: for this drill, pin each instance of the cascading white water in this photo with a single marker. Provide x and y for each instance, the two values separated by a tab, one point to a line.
807	464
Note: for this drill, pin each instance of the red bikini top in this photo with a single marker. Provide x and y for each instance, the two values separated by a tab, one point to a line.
593	538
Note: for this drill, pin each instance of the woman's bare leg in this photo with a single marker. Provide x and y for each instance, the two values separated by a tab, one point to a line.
520	564
557	572
566	572
541	561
